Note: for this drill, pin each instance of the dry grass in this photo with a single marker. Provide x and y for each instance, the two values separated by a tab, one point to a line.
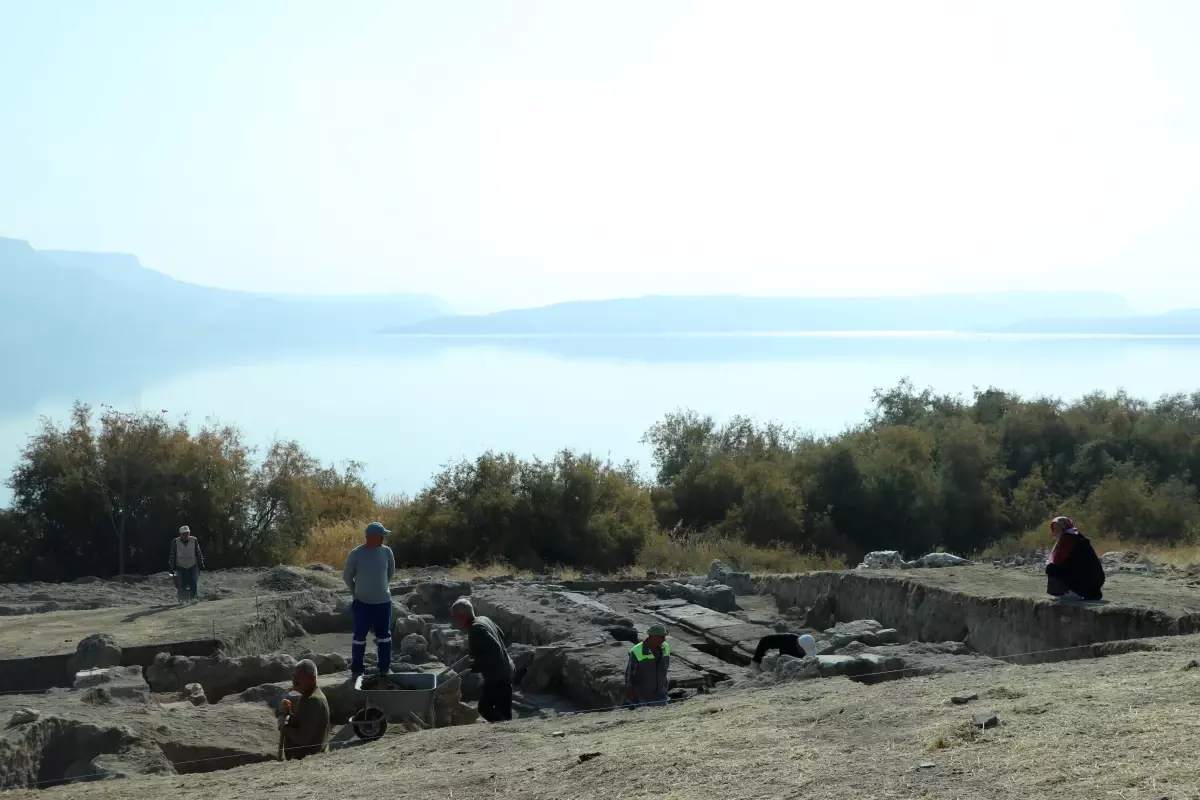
1180	554
695	552
329	544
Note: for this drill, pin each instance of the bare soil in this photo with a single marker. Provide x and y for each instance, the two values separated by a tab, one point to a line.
1122	727
1125	589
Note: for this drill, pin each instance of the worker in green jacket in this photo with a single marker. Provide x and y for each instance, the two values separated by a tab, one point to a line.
646	670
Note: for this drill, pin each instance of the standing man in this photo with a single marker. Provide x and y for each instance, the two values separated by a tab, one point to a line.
304	719
186	561
646	670
369	568
489	657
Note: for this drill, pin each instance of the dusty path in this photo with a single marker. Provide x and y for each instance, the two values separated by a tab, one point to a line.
1123	727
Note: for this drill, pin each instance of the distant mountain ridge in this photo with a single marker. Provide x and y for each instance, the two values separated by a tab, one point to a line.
715	314
56	297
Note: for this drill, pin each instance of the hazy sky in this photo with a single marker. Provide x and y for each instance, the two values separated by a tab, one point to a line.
514	153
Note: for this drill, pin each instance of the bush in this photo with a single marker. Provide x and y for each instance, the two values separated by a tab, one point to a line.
575	510
107	498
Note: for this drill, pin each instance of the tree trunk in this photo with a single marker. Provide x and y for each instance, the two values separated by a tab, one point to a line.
121	544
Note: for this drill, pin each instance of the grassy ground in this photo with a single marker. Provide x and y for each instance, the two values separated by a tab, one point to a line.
691	554
1122	727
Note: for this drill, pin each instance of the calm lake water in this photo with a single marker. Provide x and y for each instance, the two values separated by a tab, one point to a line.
404	406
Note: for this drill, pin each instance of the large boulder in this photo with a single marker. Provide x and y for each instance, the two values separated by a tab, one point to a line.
702	592
414	649
862	630
545	669
94	652
882	559
219	675
126	683
938	560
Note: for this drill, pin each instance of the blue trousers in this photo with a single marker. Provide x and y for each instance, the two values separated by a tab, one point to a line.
188	577
376	617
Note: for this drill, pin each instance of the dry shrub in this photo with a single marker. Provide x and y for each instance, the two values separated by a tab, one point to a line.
948	735
329	544
1181	554
694	553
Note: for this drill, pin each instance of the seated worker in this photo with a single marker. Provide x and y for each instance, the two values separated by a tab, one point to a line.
304	720
1073	565
788	644
646	669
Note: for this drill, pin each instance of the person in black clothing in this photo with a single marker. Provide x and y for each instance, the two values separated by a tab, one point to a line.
1073	565
489	657
788	644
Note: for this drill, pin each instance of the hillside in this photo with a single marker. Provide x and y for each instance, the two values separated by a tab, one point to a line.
734	314
57	298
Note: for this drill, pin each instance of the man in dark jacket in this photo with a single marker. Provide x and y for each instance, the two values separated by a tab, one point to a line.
489	657
1073	565
646	669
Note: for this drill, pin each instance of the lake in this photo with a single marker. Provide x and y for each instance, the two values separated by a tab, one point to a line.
406	405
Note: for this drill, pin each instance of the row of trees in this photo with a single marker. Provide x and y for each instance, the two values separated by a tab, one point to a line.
922	471
103	496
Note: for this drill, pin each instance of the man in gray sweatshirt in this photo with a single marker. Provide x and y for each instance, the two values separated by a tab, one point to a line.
369	568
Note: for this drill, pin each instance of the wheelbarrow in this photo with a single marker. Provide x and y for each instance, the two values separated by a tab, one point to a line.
400	697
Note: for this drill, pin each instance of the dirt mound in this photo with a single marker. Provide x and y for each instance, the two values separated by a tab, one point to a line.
282	579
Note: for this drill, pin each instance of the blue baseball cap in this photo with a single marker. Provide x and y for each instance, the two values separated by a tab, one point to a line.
377	529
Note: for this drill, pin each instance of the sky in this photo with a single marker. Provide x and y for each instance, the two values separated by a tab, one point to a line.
515	153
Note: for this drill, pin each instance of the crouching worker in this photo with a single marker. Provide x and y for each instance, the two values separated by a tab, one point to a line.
489	657
1073	565
788	644
646	670
304	720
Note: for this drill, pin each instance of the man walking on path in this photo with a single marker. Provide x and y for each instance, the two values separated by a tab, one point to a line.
185	563
369	568
646	670
489	657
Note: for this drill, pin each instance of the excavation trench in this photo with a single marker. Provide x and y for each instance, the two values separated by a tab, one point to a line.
1015	629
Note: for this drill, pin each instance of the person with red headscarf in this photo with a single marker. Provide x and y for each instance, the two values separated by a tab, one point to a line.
1073	565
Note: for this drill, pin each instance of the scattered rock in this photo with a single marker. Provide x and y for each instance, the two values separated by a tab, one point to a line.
700	591
24	715
321	568
96	651
963	699
414	649
882	559
927	765
194	694
985	720
888	636
588	756
938	560
124	682
558	734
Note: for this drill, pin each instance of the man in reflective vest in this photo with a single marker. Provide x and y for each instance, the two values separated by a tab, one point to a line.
646	670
